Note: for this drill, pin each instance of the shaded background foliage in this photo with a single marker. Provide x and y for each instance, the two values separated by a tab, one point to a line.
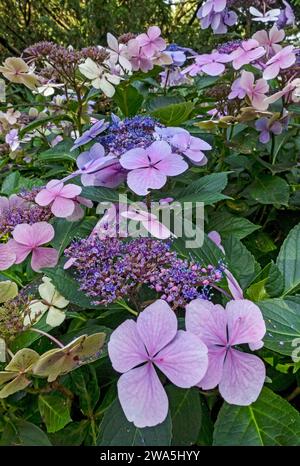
86	22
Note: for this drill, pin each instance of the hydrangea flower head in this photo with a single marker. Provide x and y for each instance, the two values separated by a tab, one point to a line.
136	348
29	239
61	197
239	375
283	59
149	168
151	42
246	53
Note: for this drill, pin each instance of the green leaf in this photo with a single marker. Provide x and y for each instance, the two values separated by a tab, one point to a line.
205	436
43	121
61	151
282	317
115	429
128	99
175	114
68	287
71	435
288	260
209	253
55	411
268	189
186	414
240	261
24	433
202	82
10	183
100	194
206	189
66	231
162	101
227	224
270	421
85	386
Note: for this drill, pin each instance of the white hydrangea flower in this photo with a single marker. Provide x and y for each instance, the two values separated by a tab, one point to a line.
100	77
52	301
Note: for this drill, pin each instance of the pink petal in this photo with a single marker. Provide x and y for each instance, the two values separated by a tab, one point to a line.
157	326
172	165
77	214
62	207
20	251
125	348
216	238
23	234
157	229
276	35
271	71
207	320
249	44
184	361
4	204
42	232
55	186
243	378
213	69
70	191
158	151
153	32
134	158
43	257
143	397
245	322
233	285
141	180
7	257
214	372
45	197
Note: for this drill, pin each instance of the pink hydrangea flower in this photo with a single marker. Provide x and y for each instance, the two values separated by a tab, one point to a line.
282	60
246	53
150	167
28	239
136	348
61	197
191	147
137	58
256	91
270	39
211	64
240	375
151	42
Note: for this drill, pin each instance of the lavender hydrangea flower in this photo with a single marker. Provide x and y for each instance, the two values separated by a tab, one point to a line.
286	17
90	134
215	14
266	127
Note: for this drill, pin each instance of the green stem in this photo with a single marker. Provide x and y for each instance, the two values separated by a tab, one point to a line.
125	306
